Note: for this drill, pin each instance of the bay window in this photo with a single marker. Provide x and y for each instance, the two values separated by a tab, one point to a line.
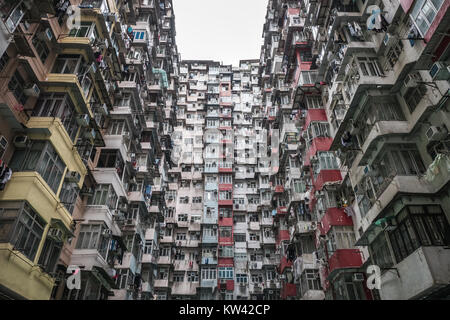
42	158
58	105
21	226
104	195
424	12
91	237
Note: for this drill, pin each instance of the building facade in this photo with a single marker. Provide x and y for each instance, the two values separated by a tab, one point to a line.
318	171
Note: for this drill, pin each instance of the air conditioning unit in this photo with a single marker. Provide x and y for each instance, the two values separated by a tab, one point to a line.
412	79
32	90
439	71
436	133
21	141
83	120
73	176
358	277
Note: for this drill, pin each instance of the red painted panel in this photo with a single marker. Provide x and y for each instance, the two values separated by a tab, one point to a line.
334	217
345	258
318	144
437	20
288	290
279	189
225	202
326	176
225	186
225	262
230	285
225	222
314	115
282	235
225	169
284	264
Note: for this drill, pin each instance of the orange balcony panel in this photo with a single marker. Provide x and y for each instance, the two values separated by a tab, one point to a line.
279	189
221	169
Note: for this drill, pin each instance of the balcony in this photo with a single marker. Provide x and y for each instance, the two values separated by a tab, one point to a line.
344	259
102	213
288	290
422	272
184	288
161	283
208	283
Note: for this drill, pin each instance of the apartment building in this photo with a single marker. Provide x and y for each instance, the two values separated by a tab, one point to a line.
127	173
87	109
361	104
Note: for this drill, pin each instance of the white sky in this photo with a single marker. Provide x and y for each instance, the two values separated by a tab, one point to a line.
222	30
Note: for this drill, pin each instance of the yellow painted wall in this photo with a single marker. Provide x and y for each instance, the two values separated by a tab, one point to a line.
21	276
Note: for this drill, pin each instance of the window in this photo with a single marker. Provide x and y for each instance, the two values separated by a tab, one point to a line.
370	67
327	160
50	254
424	12
21	226
225	273
104	195
178	277
180	255
3	146
41	47
254	237
209	274
225	232
184	200
197	200
414	95
419	226
314	102
257	278
310	280
16	86
4	61
42	158
192	276
117	127
181	236
148	247
58	105
86	30
241	278
226	251
239	238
